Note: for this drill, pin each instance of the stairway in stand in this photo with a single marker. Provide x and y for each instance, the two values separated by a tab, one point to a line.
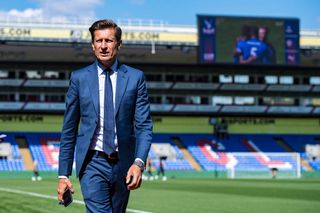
288	148
25	153
186	153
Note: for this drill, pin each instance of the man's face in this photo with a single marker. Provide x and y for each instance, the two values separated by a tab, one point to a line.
262	33
105	46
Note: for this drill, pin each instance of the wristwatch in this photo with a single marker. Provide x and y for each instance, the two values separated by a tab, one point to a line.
139	163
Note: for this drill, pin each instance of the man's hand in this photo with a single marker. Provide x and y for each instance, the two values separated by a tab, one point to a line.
63	184
134	177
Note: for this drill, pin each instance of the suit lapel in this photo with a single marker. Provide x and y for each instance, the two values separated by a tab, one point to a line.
122	80
93	84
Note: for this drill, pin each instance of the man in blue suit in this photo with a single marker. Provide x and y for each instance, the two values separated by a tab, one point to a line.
107	123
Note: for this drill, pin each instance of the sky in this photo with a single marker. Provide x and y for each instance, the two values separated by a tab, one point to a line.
173	12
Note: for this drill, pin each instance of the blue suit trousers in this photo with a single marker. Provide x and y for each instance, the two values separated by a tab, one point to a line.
103	185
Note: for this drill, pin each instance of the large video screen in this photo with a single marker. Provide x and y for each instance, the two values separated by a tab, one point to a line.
248	40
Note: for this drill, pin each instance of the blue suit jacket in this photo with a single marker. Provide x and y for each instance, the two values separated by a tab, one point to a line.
132	116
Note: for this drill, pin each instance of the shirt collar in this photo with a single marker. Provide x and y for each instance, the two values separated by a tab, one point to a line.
101	68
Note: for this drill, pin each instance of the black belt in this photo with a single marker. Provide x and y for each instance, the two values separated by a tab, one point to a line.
113	156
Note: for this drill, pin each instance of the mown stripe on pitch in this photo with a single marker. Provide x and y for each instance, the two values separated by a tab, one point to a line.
55	198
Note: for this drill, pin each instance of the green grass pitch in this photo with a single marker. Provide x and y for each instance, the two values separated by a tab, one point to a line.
180	194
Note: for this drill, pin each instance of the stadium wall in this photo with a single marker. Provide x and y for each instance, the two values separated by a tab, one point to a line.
173	124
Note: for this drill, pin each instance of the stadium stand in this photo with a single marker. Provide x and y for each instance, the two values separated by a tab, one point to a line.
45	149
315	164
211	154
174	157
14	162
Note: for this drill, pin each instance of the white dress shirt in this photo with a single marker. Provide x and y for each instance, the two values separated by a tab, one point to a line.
97	142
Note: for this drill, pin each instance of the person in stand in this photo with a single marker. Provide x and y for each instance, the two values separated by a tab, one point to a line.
221	131
107	123
224	132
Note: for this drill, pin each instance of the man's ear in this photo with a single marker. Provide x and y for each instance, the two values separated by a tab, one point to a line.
92	46
119	44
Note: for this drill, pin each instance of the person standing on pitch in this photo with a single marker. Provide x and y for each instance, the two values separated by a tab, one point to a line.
36	175
107	123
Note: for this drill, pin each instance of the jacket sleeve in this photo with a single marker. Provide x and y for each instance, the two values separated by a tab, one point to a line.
70	128
143	122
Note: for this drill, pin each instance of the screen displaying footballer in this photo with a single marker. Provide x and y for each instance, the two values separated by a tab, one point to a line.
248	40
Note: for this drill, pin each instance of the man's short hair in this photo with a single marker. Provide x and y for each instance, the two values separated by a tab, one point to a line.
105	24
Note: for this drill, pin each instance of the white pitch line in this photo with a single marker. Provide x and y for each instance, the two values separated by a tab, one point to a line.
55	198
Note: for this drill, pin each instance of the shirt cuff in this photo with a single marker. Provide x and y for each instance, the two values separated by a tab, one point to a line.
62	177
139	159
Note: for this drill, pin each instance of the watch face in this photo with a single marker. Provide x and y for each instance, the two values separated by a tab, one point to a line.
139	163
